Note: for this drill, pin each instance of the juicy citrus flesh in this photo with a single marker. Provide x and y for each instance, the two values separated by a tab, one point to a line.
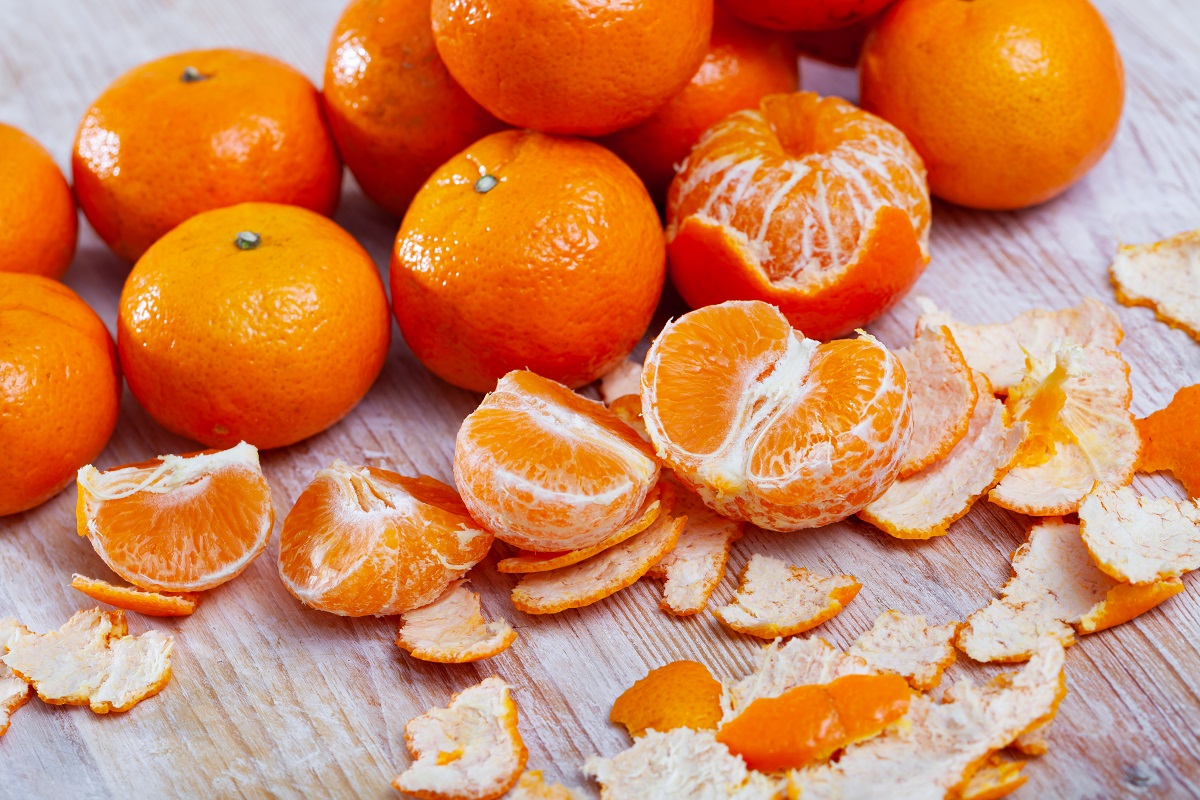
681	694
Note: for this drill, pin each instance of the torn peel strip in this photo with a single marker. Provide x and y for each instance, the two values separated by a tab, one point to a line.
140	601
775	599
1140	540
452	630
944	397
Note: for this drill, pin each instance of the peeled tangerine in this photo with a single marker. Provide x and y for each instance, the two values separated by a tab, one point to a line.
772	428
549	471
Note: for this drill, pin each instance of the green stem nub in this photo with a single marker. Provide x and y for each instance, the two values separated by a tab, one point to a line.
192	75
486	183
247	240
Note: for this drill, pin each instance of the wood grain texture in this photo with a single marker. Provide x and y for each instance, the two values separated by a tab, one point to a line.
272	700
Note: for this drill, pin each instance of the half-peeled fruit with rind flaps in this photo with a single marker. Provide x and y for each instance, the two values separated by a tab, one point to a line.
775	599
452	630
1141	540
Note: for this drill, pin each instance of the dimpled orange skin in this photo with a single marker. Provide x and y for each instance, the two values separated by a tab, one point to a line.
268	345
155	149
59	389
1008	101
585	68
804	15
743	65
40	225
394	110
556	268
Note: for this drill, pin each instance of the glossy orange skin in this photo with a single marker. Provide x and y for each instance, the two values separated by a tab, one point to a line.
38	223
1008	101
557	269
60	389
585	68
743	64
394	110
840	46
154	149
269	345
803	15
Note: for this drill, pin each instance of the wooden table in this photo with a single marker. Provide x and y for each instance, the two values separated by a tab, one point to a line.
272	700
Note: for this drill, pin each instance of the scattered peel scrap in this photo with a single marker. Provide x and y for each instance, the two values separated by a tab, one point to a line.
624	379
997	778
908	646
943	397
925	504
140	601
601	575
1140	540
681	694
1055	585
470	750
777	600
1171	439
1164	276
451	629
92	660
14	691
531	786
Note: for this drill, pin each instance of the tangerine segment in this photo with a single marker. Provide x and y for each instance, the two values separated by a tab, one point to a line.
451	629
777	600
14	691
1171	439
601	575
907	646
93	661
361	540
659	500
943	396
152	604
769	427
178	523
1164	276
682	694
547	470
1140	540
470	750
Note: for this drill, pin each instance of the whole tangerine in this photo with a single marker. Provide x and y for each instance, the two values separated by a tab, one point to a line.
260	322
579	68
527	251
1008	101
196	131
40	223
804	15
395	111
60	389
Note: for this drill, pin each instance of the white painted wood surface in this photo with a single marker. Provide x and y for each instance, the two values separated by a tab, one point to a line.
272	700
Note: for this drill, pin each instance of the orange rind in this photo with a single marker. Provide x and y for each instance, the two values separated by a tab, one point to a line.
908	646
657	502
682	694
1137	539
1000	350
1078	432
1171	439
1055	585
925	504
601	575
623	379
139	601
943	393
451	629
798	662
1164	276
998	777
470	750
14	692
93	661
775	599
628	409
531	786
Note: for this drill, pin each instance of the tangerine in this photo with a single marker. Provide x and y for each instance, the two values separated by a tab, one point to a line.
804	15
40	223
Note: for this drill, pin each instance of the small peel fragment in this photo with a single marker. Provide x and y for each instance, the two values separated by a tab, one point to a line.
92	660
998	778
775	599
694	569
623	379
1137	539
908	646
14	691
601	575
943	396
628	409
1171	439
681	694
924	505
451	629
531	786
470	750
1055	585
139	601
1164	276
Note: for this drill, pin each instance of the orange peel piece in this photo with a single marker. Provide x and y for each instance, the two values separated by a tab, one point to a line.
937	753
999	777
775	599
451	629
1000	350
924	505
944	396
1171	439
1138	539
1164	276
470	750
14	692
657	501
140	601
682	694
623	379
908	646
601	575
92	660
1079	432
532	786
1055	585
